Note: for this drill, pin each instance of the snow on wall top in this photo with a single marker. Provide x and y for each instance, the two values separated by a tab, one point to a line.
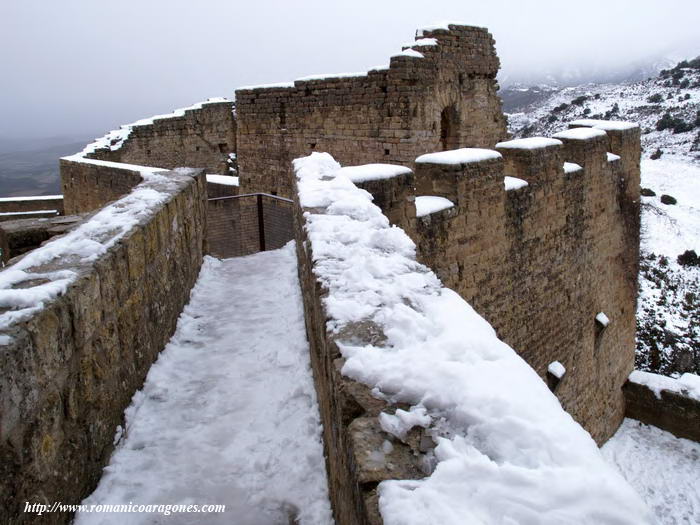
422	42
580	134
409	53
81	245
115	138
611	125
506	451
368	172
443	25
688	384
459	156
529	143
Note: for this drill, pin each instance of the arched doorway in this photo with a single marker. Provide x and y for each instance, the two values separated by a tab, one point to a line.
449	128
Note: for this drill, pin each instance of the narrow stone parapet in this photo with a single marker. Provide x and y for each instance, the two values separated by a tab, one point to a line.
667	403
83	318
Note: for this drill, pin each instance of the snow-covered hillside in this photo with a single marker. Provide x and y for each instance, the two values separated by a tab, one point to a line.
668	110
675	92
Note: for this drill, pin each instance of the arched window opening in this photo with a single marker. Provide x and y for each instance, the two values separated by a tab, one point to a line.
449	128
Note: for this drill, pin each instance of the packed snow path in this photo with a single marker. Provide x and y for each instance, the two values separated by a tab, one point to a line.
228	414
664	469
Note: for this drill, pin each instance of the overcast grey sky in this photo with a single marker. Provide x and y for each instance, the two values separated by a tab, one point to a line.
86	66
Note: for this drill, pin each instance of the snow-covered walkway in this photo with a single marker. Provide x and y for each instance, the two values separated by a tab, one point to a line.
663	469
228	414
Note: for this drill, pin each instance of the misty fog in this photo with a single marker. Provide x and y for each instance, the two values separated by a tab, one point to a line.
80	68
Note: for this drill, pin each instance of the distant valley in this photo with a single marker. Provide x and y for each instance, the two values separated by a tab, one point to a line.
30	166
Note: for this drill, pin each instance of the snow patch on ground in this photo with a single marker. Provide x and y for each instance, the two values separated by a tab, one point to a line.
664	469
506	451
228	414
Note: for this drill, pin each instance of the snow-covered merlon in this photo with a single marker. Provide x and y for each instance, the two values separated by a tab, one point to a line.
116	138
506	451
369	172
529	143
580	134
429	204
605	125
459	156
687	384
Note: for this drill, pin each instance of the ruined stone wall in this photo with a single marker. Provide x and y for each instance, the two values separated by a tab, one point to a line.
444	100
70	368
202	137
540	262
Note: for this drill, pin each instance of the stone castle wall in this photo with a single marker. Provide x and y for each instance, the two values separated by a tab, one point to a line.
70	367
445	100
541	262
202	137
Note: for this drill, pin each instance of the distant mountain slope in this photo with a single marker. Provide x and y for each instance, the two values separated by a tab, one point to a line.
675	93
667	108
